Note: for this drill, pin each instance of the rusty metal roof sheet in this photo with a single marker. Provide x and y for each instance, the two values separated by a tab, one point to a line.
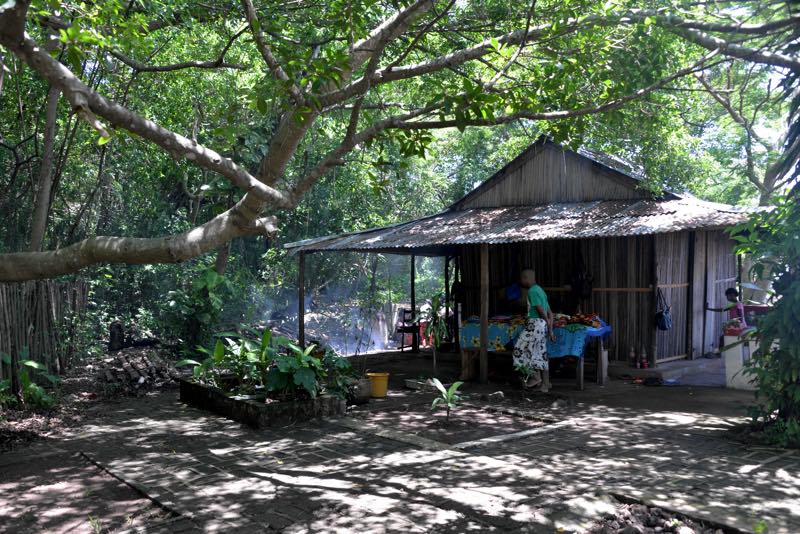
611	218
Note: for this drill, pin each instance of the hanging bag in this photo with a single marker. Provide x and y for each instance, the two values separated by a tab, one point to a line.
663	314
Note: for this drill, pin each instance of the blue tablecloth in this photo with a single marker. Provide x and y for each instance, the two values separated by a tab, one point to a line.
570	340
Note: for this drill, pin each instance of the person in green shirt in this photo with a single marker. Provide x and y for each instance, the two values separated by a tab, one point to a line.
530	350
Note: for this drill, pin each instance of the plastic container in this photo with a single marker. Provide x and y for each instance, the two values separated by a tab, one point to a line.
379	384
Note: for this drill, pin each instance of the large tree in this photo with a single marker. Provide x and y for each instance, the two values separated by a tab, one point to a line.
345	75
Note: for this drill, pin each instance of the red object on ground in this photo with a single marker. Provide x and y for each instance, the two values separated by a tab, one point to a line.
423	340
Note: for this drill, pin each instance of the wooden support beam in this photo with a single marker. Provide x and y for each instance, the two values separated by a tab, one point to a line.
301	299
415	335
456	314
447	293
484	352
653	356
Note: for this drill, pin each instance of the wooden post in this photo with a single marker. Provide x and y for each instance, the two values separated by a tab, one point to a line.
415	335
457	278
690	300
301	300
653	357
484	354
447	294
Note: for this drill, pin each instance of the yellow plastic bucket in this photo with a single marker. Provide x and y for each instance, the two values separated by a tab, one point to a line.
379	384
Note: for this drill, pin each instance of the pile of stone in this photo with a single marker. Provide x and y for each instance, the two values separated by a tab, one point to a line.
136	369
641	519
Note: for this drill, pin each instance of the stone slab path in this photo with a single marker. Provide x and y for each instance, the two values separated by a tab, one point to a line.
209	474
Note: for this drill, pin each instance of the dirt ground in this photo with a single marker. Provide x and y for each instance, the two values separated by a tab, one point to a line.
63	470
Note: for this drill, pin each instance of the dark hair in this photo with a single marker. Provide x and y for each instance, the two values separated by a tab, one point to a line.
732	291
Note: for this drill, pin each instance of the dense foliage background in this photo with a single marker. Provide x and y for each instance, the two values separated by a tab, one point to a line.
683	137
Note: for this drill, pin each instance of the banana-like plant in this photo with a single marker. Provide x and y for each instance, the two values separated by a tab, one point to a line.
448	397
436	326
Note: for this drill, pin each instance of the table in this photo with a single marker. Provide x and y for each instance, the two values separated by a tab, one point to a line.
503	333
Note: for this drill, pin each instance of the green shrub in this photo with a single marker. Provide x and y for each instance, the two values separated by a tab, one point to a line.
771	238
33	394
270	364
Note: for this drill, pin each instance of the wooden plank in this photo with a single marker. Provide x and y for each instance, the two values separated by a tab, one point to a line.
604	289
301	299
415	335
456	306
447	291
484	353
653	350
672	358
690	298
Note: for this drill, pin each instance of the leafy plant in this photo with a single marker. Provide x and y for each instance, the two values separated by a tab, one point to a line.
193	311
298	368
33	394
771	239
448	397
436	325
272	364
340	374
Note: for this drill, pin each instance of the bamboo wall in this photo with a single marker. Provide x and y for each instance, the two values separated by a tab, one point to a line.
722	273
622	269
672	260
548	174
36	314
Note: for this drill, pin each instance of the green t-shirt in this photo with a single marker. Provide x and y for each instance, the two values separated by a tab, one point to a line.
536	296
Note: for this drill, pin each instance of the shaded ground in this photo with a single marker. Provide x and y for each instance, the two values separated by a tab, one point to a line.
665	446
467	422
61	492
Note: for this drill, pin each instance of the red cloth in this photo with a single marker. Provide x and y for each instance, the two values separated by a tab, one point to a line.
737	312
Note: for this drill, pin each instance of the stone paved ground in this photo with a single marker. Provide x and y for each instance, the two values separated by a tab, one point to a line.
354	475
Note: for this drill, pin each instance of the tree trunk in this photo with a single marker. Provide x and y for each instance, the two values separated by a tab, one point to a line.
45	181
16	390
223	254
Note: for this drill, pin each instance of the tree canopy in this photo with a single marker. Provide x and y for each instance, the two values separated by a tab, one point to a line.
154	132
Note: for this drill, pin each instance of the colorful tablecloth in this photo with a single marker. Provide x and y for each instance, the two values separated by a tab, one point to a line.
570	340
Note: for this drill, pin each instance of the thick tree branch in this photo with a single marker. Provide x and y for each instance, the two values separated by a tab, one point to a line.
678	25
89	103
170	249
728	48
334	157
390	29
420	34
295	124
268	56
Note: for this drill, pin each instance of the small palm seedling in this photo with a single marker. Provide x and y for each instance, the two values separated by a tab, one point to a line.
448	397
436	326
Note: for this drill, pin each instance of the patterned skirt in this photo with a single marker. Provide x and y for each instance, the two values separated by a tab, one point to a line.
530	351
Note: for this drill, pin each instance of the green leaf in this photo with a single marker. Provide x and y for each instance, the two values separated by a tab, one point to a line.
306	378
34	365
453	388
103	140
276	380
439	386
219	351
185	362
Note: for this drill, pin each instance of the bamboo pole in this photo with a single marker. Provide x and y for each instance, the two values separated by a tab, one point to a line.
301	299
415	335
447	291
484	348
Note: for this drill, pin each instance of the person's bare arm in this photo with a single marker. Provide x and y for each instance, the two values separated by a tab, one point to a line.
723	309
548	317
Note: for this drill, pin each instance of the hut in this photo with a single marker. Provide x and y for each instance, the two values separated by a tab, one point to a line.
578	216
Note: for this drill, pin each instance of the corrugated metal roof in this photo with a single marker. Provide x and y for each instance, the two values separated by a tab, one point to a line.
580	220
